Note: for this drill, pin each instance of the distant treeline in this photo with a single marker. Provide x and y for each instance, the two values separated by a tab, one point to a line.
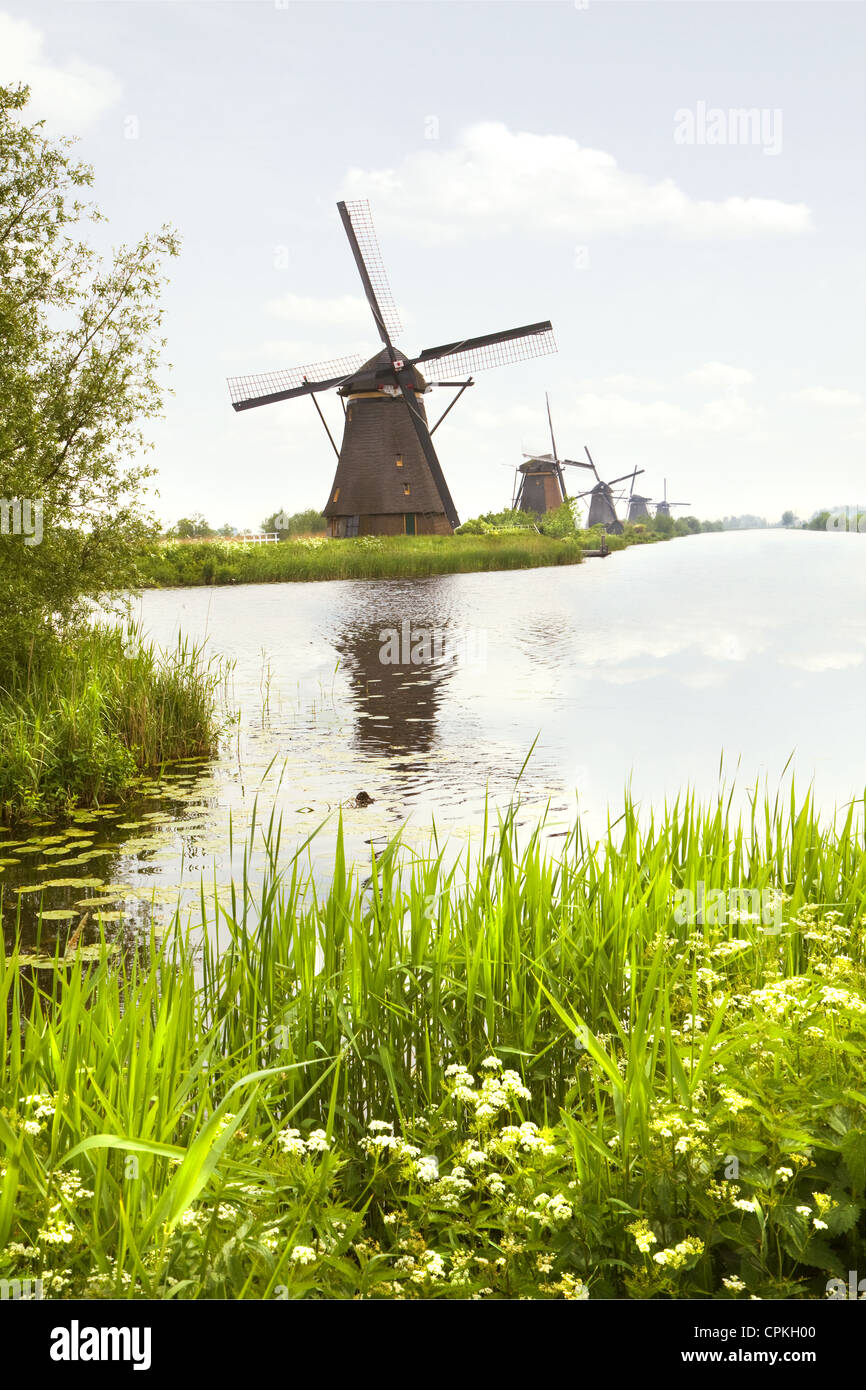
197	528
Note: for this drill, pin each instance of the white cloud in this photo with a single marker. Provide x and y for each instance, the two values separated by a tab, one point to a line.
296	352
828	395
70	95
720	375
498	181
349	309
613	412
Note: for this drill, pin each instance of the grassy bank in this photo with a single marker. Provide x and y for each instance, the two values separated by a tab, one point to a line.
527	1076
369	557
87	714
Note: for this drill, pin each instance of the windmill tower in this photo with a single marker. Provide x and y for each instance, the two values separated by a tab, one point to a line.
389	480
663	508
602	507
637	505
540	481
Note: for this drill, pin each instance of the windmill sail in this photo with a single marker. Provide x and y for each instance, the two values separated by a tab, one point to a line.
471	355
358	223
264	388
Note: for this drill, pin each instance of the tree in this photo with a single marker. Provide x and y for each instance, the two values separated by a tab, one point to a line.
305	523
788	519
79	355
193	527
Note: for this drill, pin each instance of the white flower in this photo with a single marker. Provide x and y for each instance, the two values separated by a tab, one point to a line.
303	1255
290	1142
492	1063
427	1168
805	1211
380	1124
784	1172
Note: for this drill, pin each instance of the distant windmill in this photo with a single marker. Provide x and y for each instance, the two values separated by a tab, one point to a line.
663	508
388	479
602	507
540	481
637	505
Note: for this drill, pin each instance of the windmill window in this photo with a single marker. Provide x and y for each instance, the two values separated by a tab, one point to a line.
352	525
399	460
405	489
336	496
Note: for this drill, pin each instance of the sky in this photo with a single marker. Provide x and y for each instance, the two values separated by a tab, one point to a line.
593	163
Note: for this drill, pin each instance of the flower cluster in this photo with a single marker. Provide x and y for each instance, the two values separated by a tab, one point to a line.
498	1091
682	1255
291	1142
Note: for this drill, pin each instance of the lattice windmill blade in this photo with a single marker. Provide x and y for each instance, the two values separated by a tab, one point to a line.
591	464
624	476
263	388
358	224
556	464
493	349
550	423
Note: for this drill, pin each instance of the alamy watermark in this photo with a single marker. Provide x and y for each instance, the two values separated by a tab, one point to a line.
719	906
855	1288
428	646
716	125
17	1289
21	516
847	519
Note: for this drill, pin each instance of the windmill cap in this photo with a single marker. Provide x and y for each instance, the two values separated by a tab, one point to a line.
378	371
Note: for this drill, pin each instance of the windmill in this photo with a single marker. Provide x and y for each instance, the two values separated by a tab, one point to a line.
602	507
637	505
541	486
663	508
389	480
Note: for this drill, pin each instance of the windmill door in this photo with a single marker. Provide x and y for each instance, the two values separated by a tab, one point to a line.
409	520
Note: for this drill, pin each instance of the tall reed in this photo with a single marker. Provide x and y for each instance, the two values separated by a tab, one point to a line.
294	1110
93	709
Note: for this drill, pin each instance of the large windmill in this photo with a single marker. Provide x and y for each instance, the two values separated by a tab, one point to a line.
602	507
388	479
663	508
540	481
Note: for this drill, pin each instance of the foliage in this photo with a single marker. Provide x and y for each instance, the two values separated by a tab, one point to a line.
516	1076
79	354
92	711
195	527
308	523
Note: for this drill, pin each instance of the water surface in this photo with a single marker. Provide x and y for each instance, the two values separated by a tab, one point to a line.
652	667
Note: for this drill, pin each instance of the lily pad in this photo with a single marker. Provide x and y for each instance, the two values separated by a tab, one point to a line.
72	883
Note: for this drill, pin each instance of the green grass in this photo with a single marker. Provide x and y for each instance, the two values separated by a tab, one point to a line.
184	563
369	557
91	711
296	1119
